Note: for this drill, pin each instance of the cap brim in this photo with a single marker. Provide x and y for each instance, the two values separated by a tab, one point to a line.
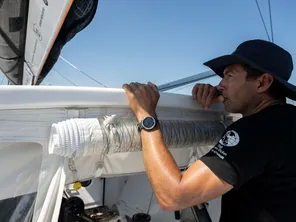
290	90
220	63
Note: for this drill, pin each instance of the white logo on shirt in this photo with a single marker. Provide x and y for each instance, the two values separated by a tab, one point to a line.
231	138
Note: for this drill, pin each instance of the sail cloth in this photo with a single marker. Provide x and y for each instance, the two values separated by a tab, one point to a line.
15	34
13	15
79	17
100	136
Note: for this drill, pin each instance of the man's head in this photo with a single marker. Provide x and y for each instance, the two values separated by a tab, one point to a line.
255	72
245	88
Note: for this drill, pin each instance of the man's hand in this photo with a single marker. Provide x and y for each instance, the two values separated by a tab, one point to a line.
206	95
143	98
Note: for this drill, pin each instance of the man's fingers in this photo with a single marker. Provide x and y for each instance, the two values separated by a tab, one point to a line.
221	98
134	86
210	98
126	87
128	91
199	93
154	87
218	96
194	91
142	90
205	94
153	91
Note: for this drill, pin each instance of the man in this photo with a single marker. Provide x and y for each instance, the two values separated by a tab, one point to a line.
253	165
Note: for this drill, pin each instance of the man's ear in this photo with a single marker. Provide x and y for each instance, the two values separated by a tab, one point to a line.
264	82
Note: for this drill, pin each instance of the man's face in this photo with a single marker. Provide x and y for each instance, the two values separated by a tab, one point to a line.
239	92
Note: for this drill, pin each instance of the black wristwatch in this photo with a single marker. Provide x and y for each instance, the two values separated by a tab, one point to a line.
148	123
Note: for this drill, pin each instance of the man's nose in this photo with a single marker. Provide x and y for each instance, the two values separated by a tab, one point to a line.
221	86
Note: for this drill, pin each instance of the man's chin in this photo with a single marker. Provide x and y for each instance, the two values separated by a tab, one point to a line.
226	105
228	108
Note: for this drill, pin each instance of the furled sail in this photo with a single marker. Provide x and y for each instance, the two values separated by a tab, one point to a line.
33	33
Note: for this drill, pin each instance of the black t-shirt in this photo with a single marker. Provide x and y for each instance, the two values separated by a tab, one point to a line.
257	155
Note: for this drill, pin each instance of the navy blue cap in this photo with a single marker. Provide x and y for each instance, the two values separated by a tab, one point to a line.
262	55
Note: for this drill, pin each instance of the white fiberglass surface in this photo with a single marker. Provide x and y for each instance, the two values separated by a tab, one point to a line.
27	97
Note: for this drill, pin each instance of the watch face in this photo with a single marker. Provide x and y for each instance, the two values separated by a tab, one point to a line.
148	122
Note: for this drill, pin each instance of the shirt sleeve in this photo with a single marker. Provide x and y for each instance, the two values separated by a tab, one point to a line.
240	154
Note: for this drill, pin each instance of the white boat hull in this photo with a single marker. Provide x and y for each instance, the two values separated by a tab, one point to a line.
25	124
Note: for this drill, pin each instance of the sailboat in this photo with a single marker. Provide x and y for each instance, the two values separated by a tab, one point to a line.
73	153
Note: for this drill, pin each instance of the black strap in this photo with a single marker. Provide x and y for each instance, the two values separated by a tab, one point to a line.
200	213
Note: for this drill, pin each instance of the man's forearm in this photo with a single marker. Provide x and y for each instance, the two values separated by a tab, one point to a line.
161	168
173	190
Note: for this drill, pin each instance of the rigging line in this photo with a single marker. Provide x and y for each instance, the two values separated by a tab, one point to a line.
55	70
65	60
270	18
262	19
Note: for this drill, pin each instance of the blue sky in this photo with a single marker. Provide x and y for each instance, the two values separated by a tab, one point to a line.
164	40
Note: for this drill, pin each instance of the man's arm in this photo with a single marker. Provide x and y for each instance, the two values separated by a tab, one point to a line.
173	190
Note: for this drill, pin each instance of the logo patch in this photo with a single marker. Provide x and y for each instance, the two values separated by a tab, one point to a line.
231	138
